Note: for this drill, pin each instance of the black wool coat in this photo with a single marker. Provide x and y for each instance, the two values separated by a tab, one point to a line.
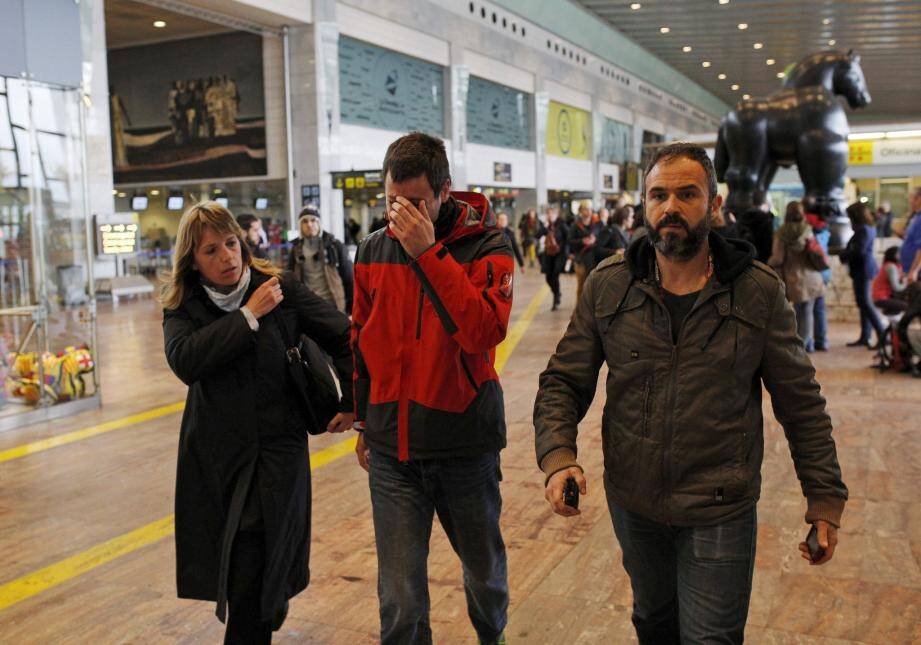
243	428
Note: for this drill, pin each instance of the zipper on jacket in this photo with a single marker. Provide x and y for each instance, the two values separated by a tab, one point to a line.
647	402
419	316
468	373
669	434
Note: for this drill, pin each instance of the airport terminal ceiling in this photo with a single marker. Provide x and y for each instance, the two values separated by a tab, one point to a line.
722	44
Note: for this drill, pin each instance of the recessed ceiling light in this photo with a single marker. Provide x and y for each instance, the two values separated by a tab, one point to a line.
734	87
722	77
114	192
780	74
758	45
636	5
155	192
832	42
724	1
159	24
746	96
743	25
706	63
686	49
664	30
122	194
770	61
827	21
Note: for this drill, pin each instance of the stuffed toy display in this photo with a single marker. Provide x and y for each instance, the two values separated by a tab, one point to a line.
63	374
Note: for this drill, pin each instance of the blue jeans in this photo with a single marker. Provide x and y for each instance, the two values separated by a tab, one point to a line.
690	584
820	324
869	317
804	322
464	491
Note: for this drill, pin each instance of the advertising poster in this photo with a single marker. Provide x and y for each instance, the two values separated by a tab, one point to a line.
569	132
188	109
380	88
498	115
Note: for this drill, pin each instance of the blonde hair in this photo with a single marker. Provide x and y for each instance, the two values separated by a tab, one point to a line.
176	283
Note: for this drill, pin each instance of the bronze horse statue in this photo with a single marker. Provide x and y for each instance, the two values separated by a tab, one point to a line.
802	124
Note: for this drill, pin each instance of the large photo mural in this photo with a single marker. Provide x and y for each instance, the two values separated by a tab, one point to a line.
188	109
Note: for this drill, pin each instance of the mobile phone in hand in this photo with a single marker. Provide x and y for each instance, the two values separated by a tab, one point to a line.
571	493
816	552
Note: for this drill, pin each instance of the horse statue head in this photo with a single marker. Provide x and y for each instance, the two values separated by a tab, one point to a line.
836	71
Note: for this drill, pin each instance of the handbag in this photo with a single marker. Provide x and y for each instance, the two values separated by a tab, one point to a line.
815	255
551	245
314	379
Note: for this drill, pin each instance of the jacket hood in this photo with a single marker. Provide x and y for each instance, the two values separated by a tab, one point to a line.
795	234
462	214
730	257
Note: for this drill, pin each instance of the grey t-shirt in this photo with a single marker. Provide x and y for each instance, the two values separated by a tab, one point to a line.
313	270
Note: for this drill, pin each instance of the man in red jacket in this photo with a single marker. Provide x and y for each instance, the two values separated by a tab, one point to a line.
433	292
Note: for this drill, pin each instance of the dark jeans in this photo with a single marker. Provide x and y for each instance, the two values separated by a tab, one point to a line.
244	591
869	317
465	494
690	584
553	266
819	324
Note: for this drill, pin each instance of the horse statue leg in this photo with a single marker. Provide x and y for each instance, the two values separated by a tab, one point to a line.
743	154
821	158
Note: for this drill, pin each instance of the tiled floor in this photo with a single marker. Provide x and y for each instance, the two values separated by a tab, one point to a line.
566	579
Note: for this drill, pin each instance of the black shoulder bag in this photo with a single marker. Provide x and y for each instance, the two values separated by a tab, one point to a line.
314	379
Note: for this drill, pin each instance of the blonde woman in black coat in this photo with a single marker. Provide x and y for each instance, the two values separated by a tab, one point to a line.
243	477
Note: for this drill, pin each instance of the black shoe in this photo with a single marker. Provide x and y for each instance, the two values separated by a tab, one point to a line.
821	348
555	306
859	343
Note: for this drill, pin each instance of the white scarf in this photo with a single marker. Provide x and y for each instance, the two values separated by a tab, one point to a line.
230	301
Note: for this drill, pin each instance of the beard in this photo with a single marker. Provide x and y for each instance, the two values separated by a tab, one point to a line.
672	245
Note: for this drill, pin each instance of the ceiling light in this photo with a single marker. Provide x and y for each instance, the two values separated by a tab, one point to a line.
864	199
122	194
722	77
832	42
780	74
686	49
114	192
770	61
706	63
901	134
155	192
734	87
159	24
724	1
827	21
635	6
859	136
746	96
743	25
758	45
664	30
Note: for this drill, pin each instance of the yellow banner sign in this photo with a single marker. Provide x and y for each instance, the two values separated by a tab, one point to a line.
860	153
569	132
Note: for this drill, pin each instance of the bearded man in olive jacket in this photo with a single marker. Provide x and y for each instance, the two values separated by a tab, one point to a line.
690	326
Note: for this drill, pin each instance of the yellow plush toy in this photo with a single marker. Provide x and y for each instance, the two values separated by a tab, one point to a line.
63	374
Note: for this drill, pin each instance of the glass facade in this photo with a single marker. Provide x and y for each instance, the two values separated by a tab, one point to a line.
616	142
47	304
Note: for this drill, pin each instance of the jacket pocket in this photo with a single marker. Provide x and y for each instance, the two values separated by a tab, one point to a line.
468	374
647	404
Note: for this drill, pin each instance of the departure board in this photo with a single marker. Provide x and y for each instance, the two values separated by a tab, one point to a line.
498	115
380	88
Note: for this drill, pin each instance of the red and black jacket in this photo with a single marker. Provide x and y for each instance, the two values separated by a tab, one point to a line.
424	335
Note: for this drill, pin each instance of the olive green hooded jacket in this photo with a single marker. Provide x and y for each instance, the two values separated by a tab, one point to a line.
682	425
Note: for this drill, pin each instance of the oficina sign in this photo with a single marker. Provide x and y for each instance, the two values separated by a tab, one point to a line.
886	151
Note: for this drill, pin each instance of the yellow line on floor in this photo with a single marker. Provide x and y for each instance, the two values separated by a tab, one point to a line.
514	335
60	572
92	431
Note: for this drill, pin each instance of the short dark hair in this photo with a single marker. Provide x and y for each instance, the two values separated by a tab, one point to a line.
892	253
418	154
246	220
620	215
860	214
682	150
